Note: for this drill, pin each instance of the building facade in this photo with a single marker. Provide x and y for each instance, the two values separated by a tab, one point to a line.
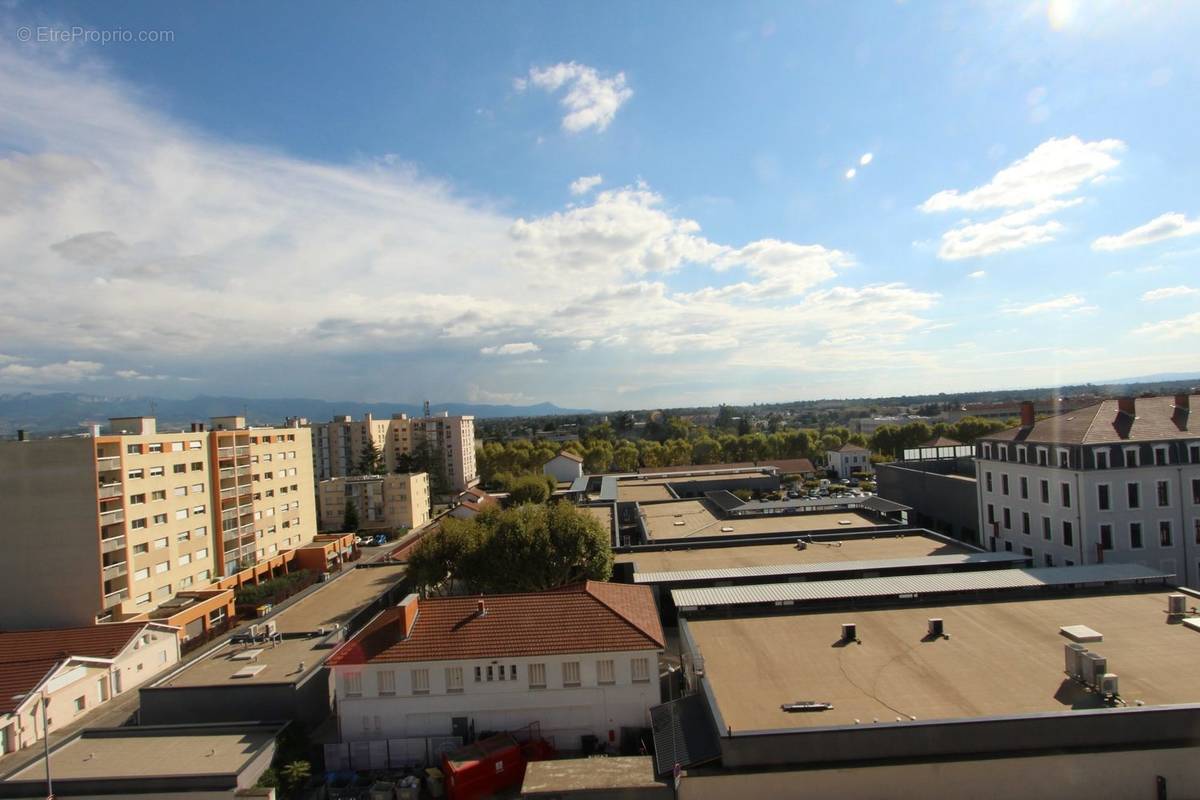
338	445
113	525
1118	481
580	661
382	501
848	459
565	466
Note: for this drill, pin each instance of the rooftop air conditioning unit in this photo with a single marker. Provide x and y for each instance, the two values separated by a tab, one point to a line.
1094	667
271	627
1176	604
849	632
936	628
255	630
801	544
1074	656
1109	685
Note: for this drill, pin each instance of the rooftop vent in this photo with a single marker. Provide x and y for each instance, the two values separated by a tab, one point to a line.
1176	604
482	609
850	632
1080	633
937	628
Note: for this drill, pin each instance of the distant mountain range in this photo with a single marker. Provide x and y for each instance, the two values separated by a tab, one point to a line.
66	412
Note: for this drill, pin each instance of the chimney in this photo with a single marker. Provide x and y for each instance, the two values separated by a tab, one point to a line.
1026	413
21	436
1183	402
408	615
1125	406
197	427
482	609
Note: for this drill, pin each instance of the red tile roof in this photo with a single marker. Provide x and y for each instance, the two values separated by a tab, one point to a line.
851	448
570	455
1154	419
589	617
28	656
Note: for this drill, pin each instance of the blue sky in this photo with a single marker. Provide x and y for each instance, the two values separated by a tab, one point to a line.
602	205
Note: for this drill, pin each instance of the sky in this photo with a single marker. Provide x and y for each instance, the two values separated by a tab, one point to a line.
610	205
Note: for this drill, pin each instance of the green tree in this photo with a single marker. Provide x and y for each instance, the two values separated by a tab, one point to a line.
743	426
370	460
518	549
597	456
651	454
625	457
350	516
706	450
295	774
528	489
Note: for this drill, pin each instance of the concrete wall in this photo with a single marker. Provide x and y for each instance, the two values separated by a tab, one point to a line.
947	504
307	702
50	534
1132	774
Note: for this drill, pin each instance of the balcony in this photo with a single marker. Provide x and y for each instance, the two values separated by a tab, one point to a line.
243	470
111	600
225	452
242	450
112	544
115	570
108	463
108	490
112	517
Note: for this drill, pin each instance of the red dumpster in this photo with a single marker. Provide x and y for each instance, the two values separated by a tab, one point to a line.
490	765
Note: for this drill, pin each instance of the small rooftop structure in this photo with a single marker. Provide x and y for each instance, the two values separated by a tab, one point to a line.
629	776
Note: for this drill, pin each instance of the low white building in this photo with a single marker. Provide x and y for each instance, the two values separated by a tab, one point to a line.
848	459
74	670
564	467
578	661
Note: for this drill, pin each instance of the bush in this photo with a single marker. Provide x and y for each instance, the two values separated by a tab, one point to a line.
528	489
274	590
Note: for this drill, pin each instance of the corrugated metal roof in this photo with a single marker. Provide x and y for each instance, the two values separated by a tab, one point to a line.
580	484
608	489
897	585
868	565
684	734
872	502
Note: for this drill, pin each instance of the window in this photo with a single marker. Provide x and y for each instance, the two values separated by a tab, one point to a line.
156	447
1160	456
135	499
352	684
1021	457
133	449
142	599
134	474
160	519
454	679
1102	498
197	488
138	549
420	681
1134	492
606	672
987	479
537	676
478	674
1135	535
157	472
158	494
80	703
194	445
1007	520
1196	491
176	447
142	574
1025	522
1024	488
201	553
1163	492
991	514
185	559
1004	483
641	670
1196	525
386	679
1068	534
161	567
200	532
1101	459
1049	559
500	672
197	466
1164	533
179	469
1131	457
1194	453
570	670
512	672
181	513
491	673
1046	528
1064	459
1045	487
198	510
1043	457
1106	539
180	491
1066	495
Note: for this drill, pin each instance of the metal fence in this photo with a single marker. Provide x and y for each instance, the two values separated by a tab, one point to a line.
383	754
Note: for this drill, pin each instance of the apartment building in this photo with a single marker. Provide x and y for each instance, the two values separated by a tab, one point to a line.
338	445
579	661
113	525
393	501
1117	481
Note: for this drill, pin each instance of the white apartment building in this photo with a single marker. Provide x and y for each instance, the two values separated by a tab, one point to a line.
1118	481
578	661
338	445
848	459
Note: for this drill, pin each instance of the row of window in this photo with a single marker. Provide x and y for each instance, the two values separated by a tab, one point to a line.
163	447
1136	539
1102	456
158	472
1133	492
535	677
161	494
161	519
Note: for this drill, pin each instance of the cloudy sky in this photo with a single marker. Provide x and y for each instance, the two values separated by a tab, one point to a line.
600	205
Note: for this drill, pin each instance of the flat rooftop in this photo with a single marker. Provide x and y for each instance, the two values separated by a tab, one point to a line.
254	663
692	518
338	602
643	492
905	545
1002	658
602	513
591	775
161	752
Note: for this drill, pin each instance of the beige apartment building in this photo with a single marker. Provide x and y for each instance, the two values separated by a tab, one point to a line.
107	527
382	501
338	445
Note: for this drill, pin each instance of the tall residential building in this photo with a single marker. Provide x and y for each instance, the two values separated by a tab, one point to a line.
105	527
338	445
1118	481
381	501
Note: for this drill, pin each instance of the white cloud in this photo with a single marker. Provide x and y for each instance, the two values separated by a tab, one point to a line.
1068	302
1165	226
476	394
584	344
865	159
510	349
1028	189
1168	292
977	274
1184	327
585	184
850	173
65	372
591	101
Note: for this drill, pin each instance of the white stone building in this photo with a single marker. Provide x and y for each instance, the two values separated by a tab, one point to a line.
1118	481
578	661
848	459
564	467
